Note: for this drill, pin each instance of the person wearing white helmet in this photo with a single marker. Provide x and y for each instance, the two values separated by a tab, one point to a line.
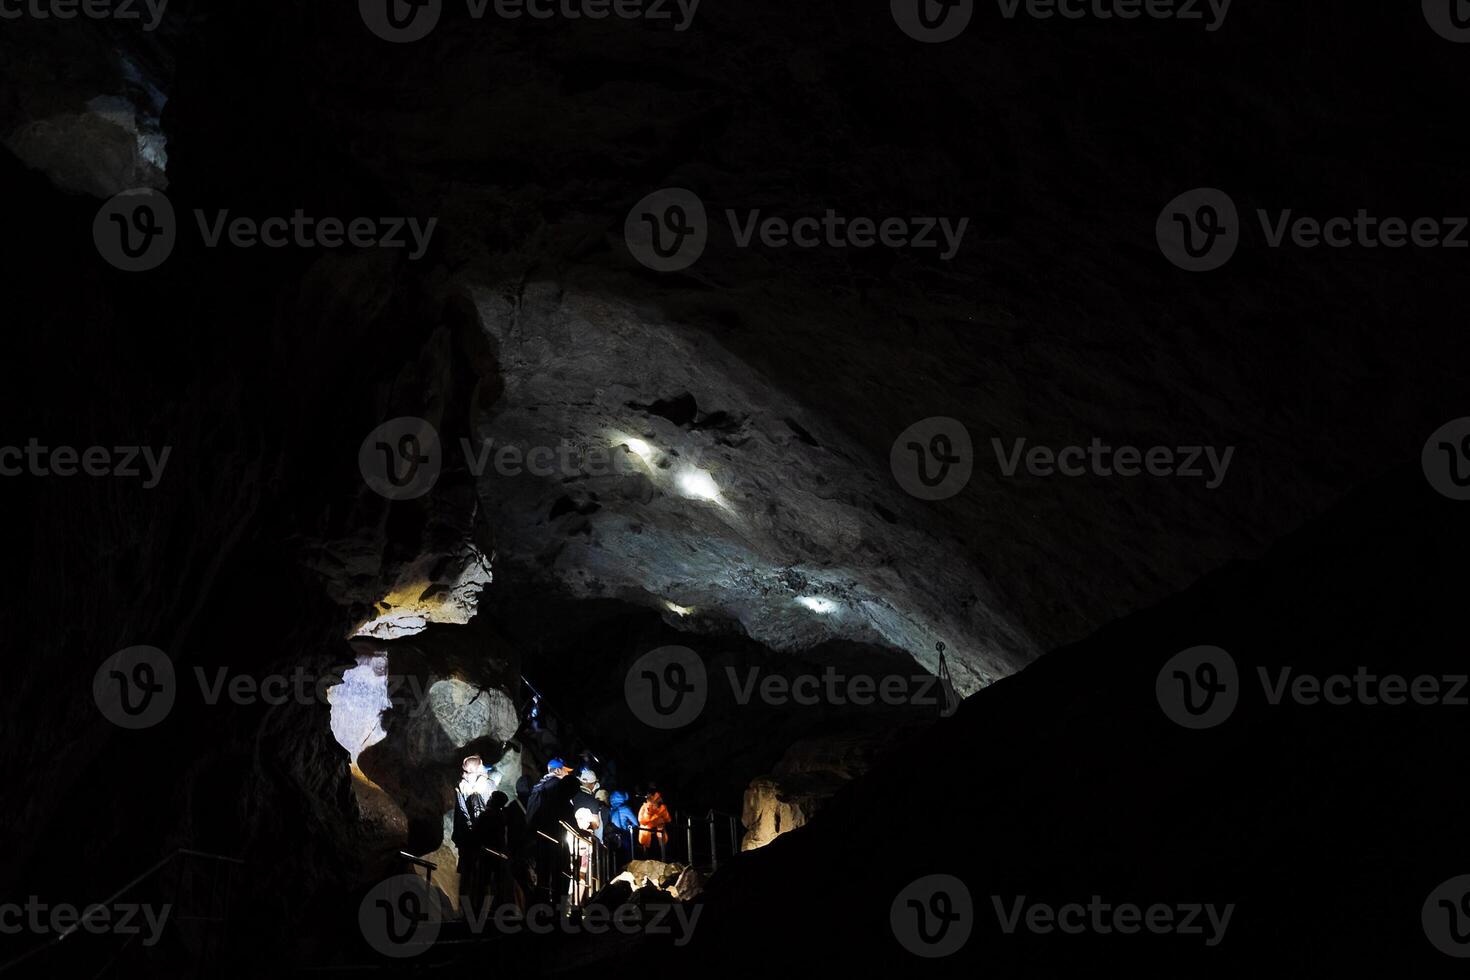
471	797
586	799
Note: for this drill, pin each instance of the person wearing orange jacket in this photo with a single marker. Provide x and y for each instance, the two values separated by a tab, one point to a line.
653	817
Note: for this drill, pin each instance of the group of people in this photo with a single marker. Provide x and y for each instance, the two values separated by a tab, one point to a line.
496	835
596	811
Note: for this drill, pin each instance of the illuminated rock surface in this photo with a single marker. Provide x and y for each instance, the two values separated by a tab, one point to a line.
1059	321
799	513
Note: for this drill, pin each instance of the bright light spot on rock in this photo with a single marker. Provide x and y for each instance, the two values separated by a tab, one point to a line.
640	449
677	609
698	484
357	704
817	604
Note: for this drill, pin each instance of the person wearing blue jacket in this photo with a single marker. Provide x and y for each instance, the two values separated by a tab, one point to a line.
623	818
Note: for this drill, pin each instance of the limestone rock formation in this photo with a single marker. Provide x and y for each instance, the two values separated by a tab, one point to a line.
809	774
679	881
84	111
103	150
689	483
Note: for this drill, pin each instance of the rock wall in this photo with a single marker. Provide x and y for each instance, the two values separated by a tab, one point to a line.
799	521
809	774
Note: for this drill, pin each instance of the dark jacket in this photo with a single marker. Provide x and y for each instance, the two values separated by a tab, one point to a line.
589	801
490	831
583	799
468	811
513	818
549	801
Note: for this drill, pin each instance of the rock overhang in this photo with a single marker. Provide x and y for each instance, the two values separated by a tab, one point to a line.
730	501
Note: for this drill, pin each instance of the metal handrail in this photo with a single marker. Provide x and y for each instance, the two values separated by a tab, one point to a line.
109	900
418	861
710	819
598	861
429	866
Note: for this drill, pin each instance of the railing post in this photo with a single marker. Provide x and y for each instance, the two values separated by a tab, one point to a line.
689	839
714	850
598	865
734	838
